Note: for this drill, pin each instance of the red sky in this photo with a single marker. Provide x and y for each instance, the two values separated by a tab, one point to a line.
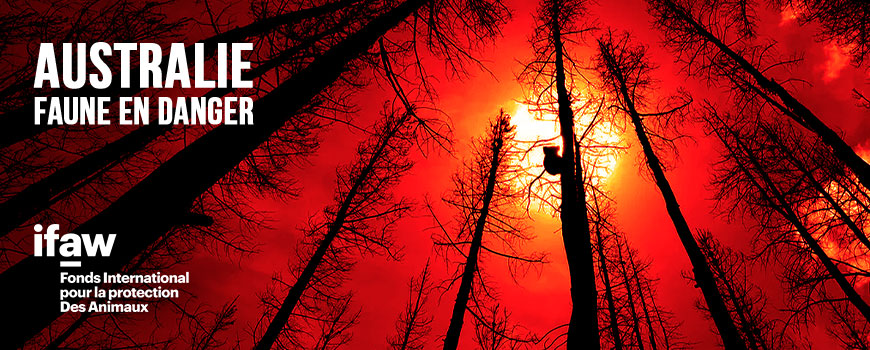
538	302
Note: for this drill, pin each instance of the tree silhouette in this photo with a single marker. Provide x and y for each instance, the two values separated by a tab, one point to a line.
706	53
41	194
188	174
625	73
791	233
849	329
632	315
843	22
359	221
745	301
19	119
414	324
487	195
550	77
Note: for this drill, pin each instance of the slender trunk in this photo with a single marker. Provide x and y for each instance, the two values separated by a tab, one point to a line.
608	292
415	312
790	106
333	229
635	272
42	194
666	338
583	327
811	178
18	123
739	309
451	341
635	319
782	206
155	205
703	277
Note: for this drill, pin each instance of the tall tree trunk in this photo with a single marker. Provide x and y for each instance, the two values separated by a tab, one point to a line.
635	319
811	178
583	327
18	123
608	291
779	202
703	276
666	338
646	313
790	106
743	317
42	194
161	200
415	310
335	226
451	341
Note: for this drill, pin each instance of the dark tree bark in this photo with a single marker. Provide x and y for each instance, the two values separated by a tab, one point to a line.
612	311
500	131
381	167
629	295
676	18
181	180
614	65
635	276
744	300
576	236
750	165
414	324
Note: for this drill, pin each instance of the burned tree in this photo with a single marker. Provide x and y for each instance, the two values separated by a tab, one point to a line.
819	183
629	312
850	330
494	330
359	222
690	29
414	324
551	76
625	72
487	195
792	236
601	226
41	194
745	300
846	23
182	179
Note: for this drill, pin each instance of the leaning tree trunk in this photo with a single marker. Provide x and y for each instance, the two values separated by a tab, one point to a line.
703	276
42	194
817	185
451	341
779	202
790	105
742	312
333	229
583	326
162	200
18	123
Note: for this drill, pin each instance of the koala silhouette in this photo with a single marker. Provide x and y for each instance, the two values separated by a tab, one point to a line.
553	163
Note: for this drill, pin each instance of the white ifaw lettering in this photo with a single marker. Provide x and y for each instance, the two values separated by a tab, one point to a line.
70	245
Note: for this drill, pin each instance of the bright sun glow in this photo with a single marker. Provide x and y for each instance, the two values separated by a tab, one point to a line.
600	152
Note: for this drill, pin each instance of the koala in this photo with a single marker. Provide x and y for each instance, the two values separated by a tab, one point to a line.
553	163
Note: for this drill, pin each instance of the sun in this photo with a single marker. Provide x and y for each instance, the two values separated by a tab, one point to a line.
602	143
